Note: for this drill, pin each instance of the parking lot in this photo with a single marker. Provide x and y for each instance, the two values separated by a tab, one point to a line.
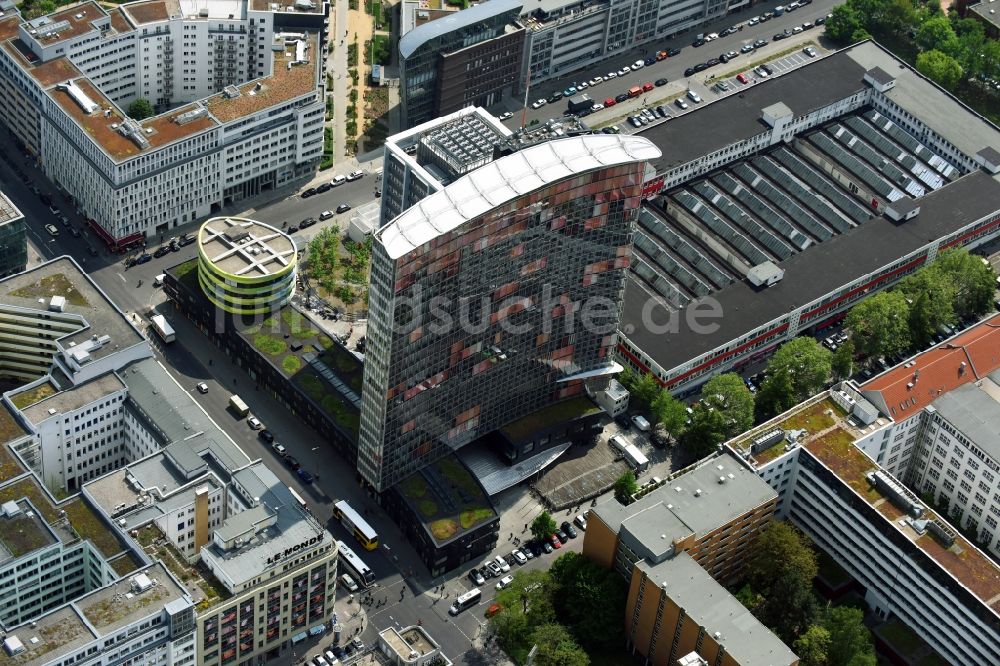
780	66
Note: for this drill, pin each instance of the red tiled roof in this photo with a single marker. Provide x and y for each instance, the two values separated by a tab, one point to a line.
938	370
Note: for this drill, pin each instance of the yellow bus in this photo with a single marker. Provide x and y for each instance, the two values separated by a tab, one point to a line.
355	524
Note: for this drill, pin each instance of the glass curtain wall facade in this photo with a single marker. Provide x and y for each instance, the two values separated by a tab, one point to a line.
494	319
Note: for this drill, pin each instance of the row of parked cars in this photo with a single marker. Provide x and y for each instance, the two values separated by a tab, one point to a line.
336	653
598	80
337	181
500	566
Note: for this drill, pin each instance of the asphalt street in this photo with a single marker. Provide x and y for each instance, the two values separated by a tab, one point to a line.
672	68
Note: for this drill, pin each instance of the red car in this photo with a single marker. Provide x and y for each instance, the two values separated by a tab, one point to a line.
556	543
609	102
742	78
646	87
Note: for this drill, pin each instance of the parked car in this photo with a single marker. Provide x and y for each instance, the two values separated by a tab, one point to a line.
622	97
348	583
519	557
661	111
561	536
581	522
555	542
810	51
742	77
539	103
502	563
143	258
279	449
673	52
547	546
266	435
568	529
611	101
505	582
493	568
569	92
254	423
506	115
476	577
635	122
694	97
161	251
308	193
660	82
202	387
304	475
308	222
555	97
325	187
689	71
355	175
759	43
292	462
343	208
746	48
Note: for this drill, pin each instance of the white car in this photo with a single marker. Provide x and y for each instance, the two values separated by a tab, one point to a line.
694	97
348	583
279	449
202	387
338	180
254	423
505	582
681	104
596	81
809	51
710	36
638	64
538	104
612	75
797	29
581	522
519	556
582	85
754	21
502	563
506	115
597	107
355	175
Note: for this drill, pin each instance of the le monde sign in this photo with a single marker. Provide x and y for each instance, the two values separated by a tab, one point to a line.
288	552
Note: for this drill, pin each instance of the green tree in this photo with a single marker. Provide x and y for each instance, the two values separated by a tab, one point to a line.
937	33
529	593
972	280
627	378
140	109
625	486
850	639
776	394
807	363
781	567
556	647
940	68
542	526
728	395
842	361
589	600
843	24
707	430
669	412
644	391
931	297
812	646
879	325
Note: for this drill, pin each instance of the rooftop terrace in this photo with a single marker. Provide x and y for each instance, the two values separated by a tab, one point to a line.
58	632
829	437
10	429
65	24
22	532
970	566
63	277
287	82
560	412
120	604
151	11
72	398
447	498
246	248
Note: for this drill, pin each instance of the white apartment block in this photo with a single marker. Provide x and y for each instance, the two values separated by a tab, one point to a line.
146	619
836	468
566	35
238	84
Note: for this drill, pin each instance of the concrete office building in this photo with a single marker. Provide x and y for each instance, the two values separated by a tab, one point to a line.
562	36
245	267
239	85
13	239
911	563
678	543
146	619
527	240
785	205
461	59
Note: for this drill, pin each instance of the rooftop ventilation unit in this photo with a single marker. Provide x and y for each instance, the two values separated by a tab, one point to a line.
231	92
57	303
12	645
766	440
11	509
896	493
85	103
140	583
